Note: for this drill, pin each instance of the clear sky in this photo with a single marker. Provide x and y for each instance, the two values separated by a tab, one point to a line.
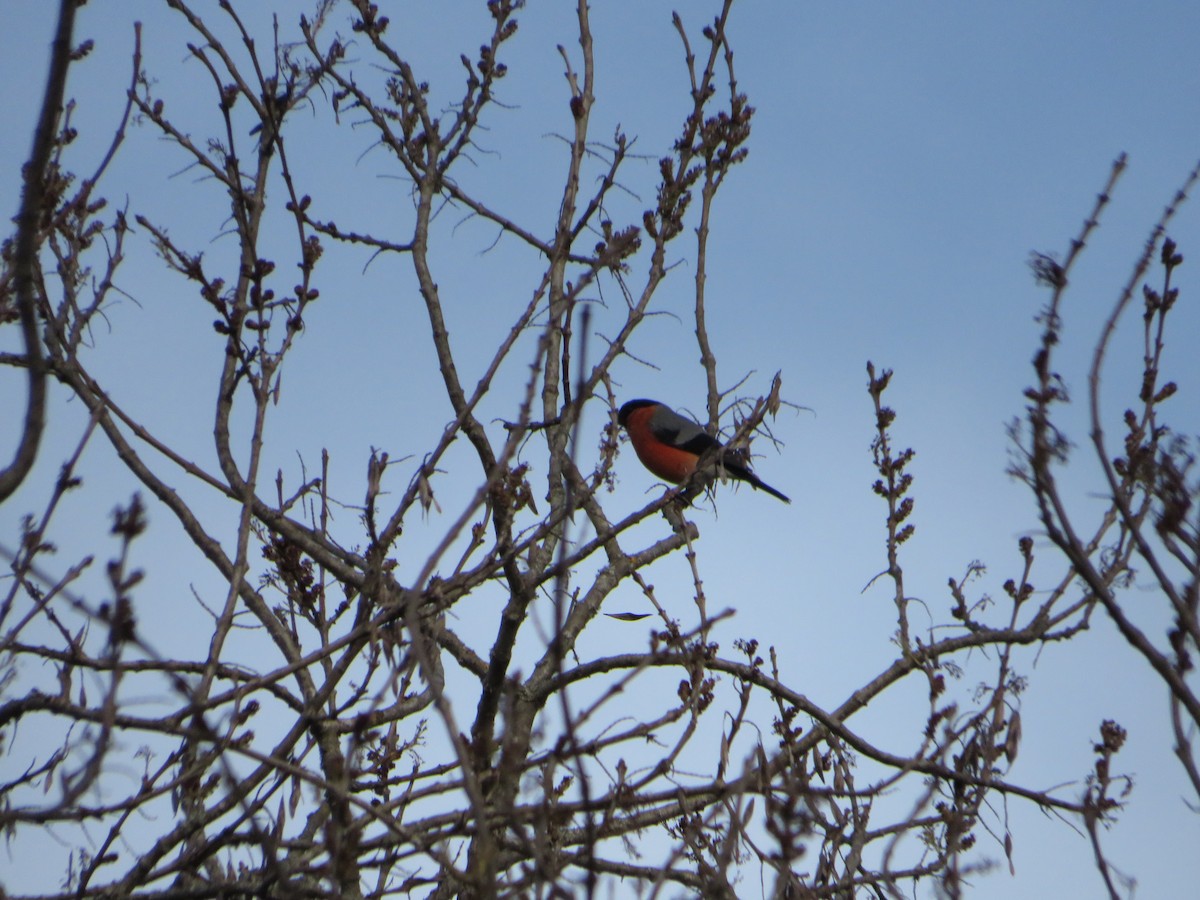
905	159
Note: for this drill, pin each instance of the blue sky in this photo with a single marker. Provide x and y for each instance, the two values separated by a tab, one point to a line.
905	160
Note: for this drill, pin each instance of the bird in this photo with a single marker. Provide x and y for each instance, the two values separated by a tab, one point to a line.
670	445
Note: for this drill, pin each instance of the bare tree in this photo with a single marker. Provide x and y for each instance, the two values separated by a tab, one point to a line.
21	260
1150	522
347	727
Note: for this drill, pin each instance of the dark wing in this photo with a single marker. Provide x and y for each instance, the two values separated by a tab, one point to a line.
671	428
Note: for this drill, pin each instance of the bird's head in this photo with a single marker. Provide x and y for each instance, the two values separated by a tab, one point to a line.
628	409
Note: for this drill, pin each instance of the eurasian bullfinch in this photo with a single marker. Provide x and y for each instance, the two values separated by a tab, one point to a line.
670	446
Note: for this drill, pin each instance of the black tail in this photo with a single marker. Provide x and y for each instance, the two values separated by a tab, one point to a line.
739	470
763	486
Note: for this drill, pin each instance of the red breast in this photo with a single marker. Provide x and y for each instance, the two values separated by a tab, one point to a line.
664	460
